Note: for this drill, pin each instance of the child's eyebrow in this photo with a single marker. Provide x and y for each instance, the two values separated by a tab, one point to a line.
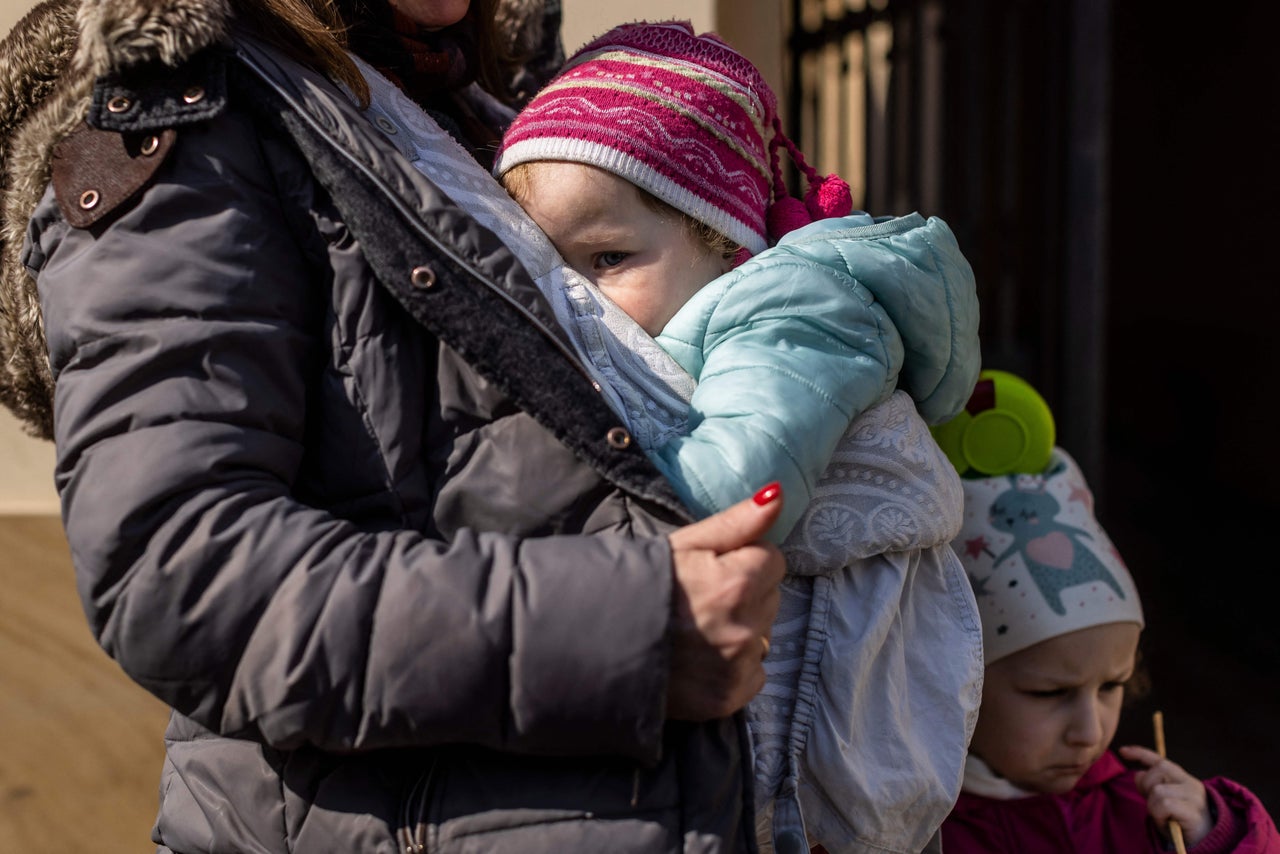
599	234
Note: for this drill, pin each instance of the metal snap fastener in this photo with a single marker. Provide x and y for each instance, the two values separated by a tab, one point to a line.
119	104
193	95
89	199
423	277
149	145
386	124
618	438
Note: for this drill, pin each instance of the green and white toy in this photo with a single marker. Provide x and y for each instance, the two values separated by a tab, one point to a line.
1005	428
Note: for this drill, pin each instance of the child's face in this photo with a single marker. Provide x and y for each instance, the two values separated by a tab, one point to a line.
1049	711
646	262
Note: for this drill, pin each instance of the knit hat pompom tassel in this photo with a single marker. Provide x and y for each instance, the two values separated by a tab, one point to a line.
785	215
827	196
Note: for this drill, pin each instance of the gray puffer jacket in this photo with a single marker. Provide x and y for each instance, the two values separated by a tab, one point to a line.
318	440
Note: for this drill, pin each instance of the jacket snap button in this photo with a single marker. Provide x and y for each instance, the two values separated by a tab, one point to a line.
423	277
89	199
149	145
193	95
386	125
119	104
618	438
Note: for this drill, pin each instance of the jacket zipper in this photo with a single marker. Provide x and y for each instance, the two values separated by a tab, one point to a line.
412	833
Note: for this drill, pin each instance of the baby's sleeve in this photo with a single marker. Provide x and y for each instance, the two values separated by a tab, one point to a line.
786	353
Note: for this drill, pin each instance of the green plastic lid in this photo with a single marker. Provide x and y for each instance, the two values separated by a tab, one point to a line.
1006	428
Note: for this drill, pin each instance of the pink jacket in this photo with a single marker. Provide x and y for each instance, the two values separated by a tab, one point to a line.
1103	814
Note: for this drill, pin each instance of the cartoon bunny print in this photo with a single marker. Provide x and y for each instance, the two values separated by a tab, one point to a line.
1054	553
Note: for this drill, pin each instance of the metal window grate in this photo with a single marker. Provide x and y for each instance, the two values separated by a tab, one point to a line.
863	96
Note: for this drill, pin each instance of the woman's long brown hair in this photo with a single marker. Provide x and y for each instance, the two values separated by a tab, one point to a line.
311	31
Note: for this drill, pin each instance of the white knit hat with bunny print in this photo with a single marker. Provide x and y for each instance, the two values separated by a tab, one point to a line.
1039	562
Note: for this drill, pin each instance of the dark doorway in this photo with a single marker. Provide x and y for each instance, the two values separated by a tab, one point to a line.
1192	456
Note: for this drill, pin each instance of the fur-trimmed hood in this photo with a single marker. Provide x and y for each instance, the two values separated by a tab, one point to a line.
48	63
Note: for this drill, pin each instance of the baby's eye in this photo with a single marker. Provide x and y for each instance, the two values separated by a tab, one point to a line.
605	260
1046	692
1108	687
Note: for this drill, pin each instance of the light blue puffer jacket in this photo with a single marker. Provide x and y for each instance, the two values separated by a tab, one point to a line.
834	317
874	677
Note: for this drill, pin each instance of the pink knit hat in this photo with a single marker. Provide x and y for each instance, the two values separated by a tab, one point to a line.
683	116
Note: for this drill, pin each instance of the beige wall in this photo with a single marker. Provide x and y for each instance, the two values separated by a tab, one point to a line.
26	471
586	18
26	465
12	10
752	26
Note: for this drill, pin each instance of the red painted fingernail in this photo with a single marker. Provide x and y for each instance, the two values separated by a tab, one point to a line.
767	494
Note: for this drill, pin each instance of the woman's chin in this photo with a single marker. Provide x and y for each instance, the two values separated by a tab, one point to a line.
433	14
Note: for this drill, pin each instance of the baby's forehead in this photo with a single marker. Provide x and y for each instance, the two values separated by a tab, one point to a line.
585	192
590	183
545	174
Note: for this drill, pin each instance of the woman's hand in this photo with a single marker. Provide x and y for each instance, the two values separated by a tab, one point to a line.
726	596
1171	793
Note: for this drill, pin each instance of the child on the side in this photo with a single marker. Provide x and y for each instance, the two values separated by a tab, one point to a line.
1061	621
651	162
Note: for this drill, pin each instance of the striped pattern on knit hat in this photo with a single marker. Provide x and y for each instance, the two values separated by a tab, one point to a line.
683	116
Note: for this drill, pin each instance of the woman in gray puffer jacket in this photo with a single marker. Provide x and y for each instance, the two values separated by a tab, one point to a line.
373	610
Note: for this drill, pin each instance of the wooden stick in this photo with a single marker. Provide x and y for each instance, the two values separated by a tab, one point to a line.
1175	829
